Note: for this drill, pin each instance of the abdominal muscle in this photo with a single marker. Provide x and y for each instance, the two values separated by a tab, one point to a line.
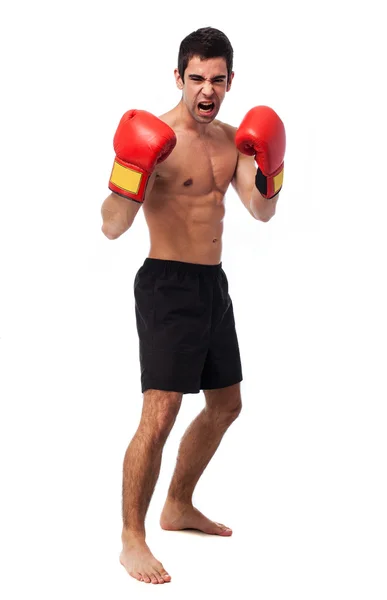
185	208
186	228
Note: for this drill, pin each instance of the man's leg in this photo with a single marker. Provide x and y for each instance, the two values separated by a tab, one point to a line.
140	473
197	447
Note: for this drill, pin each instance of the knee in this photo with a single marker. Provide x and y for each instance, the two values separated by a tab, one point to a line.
159	414
233	410
226	411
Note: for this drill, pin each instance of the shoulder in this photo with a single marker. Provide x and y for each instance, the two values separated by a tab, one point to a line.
229	130
169	118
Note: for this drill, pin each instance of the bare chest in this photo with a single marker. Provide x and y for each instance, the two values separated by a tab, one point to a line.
199	166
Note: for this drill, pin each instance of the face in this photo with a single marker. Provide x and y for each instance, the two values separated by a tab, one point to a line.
204	88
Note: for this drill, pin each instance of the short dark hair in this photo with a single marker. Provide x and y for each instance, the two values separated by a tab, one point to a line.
206	42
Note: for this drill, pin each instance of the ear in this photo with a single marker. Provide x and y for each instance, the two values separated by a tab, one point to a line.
178	79
229	82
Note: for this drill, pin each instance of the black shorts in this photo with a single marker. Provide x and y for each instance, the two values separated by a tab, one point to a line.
186	326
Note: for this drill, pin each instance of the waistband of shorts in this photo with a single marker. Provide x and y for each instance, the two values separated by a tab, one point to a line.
159	264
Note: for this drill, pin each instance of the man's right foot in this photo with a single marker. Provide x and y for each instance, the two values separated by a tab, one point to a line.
140	562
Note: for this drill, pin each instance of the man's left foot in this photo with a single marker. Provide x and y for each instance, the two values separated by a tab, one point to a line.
178	515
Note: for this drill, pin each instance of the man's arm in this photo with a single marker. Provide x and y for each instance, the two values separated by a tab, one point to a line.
262	209
260	135
118	213
141	142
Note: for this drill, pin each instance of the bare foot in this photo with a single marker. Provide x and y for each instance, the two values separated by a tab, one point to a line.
178	515
140	562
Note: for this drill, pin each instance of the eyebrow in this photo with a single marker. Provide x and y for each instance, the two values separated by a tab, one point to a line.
201	76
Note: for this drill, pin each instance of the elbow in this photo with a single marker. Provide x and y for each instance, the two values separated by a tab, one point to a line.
114	226
265	217
111	232
265	208
269	213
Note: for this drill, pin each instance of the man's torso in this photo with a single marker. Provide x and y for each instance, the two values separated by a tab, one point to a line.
185	209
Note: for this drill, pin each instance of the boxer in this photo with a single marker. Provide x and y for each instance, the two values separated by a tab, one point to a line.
177	167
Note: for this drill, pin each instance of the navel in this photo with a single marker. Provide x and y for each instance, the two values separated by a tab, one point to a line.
214	240
188	182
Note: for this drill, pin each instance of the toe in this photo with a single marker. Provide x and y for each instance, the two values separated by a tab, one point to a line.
159	577
153	578
225	529
165	576
146	578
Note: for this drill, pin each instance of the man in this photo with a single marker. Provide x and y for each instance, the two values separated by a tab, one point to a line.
178	168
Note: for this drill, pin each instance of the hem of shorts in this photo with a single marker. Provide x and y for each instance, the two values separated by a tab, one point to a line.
219	386
177	389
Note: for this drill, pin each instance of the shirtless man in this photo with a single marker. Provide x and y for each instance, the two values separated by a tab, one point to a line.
178	168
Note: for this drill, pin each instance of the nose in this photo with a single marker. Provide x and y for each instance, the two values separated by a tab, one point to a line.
207	88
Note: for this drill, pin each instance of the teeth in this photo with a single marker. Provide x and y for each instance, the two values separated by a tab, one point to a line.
205	105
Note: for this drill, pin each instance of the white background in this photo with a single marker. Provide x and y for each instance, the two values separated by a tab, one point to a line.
301	475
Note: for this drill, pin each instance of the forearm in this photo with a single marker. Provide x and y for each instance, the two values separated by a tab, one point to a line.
118	214
262	208
262	135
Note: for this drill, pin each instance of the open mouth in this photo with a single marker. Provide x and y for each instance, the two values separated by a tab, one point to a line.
206	107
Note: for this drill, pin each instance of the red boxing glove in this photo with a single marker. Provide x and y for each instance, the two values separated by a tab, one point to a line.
262	134
141	141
